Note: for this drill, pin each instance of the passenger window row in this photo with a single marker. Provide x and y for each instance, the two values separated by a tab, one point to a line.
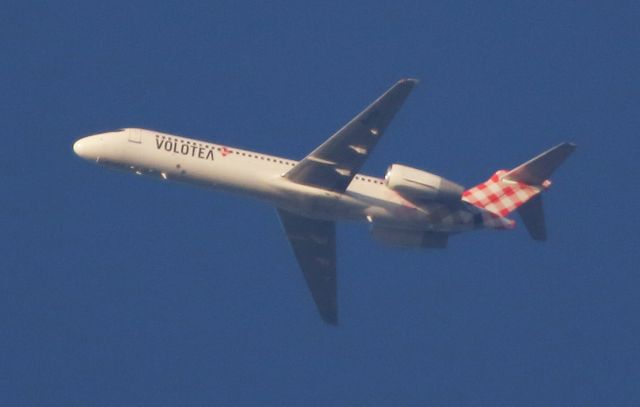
256	156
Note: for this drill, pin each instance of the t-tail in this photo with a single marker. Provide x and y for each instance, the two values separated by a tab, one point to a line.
519	189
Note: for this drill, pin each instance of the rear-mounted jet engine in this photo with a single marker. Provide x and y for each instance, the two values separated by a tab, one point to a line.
419	186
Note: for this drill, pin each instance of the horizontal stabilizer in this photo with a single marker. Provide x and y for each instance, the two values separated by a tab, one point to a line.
532	214
539	169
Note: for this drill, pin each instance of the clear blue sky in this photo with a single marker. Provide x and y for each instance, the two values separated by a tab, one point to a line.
117	290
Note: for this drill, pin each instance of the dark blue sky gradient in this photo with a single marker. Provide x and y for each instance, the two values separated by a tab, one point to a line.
117	290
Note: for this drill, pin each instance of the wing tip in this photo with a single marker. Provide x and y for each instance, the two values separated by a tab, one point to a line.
330	319
412	81
329	312
567	144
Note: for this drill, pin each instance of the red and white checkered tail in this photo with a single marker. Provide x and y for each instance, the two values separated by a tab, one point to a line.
501	196
507	191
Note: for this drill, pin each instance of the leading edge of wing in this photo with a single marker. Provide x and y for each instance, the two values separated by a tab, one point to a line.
314	245
335	162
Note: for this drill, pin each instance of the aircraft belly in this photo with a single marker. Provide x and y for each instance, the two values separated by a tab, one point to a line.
362	201
383	208
312	202
373	204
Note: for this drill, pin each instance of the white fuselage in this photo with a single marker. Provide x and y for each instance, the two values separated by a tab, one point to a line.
257	175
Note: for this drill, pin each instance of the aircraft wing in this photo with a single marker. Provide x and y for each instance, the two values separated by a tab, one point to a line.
314	244
333	164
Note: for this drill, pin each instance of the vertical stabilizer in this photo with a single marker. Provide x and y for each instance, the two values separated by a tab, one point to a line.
499	196
519	189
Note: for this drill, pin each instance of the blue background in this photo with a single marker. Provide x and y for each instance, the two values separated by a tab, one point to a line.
117	290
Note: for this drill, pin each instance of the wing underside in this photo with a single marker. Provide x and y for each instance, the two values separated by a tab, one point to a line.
333	164
314	245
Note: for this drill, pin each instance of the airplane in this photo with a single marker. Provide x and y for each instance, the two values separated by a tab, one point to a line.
407	208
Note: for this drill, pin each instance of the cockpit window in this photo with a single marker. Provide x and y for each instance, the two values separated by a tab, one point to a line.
104	132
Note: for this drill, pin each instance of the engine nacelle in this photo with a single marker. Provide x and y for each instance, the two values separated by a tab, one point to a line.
416	185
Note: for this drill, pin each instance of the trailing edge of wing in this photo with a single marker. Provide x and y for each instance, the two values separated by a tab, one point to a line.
314	244
333	164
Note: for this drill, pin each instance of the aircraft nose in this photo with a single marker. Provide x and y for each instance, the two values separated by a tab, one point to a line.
87	148
78	147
